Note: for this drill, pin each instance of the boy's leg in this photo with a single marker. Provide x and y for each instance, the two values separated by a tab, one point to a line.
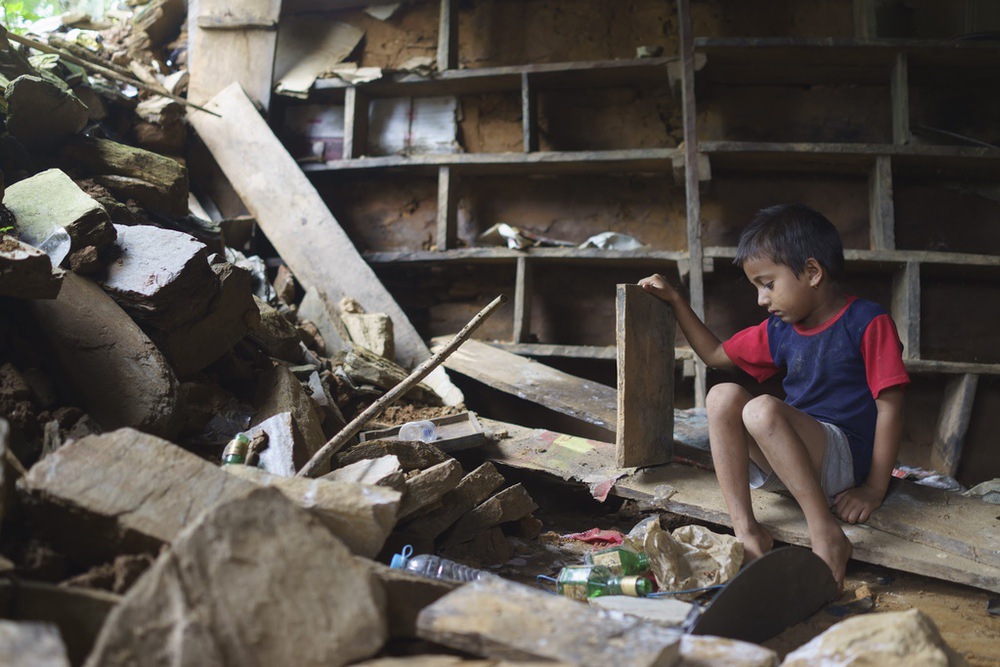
793	443
732	449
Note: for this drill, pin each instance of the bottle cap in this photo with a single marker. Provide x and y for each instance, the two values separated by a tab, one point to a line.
399	560
636	586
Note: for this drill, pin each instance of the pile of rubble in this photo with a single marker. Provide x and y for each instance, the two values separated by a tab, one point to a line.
135	342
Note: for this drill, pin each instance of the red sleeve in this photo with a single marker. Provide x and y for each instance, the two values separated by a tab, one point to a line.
883	355
749	350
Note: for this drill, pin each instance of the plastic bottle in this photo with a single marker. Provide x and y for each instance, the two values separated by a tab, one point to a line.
236	450
589	581
435	567
423	430
619	560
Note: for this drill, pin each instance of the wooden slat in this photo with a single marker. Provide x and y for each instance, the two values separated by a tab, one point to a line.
865	22
906	308
523	289
529	114
953	423
880	205
217	58
582	256
296	221
900	94
447	208
645	345
447	50
355	123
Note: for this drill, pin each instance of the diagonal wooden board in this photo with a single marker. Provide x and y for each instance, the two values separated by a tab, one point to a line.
693	492
297	221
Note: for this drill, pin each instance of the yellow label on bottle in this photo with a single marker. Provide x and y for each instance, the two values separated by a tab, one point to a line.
612	560
576	591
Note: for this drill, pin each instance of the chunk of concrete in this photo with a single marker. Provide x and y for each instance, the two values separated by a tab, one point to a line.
231	313
41	113
473	489
122	492
162	277
891	639
280	391
372	331
275	334
426	488
511	504
499	619
280	455
360	515
257	581
31	644
51	199
118	374
383	471
663	611
26	272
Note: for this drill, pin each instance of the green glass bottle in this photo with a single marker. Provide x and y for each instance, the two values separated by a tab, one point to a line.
619	560
236	450
589	581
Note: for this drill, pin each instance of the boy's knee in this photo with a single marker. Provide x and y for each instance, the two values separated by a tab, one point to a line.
724	397
760	413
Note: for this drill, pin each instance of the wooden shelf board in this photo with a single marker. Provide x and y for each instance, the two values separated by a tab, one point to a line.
605	352
591	74
541	255
889	259
642	160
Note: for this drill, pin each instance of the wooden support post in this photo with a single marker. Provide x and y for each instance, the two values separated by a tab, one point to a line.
522	300
645	337
355	123
906	308
447	213
696	281
447	53
529	114
880	205
953	422
900	93
865	24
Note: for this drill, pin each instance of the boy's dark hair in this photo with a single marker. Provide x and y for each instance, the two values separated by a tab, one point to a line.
790	234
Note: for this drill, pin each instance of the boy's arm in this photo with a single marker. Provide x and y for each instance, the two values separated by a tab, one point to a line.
704	343
856	505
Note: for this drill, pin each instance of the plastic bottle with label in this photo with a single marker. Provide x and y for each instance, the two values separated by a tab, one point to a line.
619	560
435	567
589	581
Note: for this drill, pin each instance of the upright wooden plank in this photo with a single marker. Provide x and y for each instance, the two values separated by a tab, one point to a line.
523	287
297	221
880	205
900	92
645	338
355	123
906	308
529	113
953	423
245	55
447	51
864	19
447	208
696	278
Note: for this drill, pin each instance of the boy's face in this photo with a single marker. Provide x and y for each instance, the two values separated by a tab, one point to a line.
788	296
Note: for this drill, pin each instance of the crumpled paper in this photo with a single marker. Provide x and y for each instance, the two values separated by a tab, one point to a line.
690	557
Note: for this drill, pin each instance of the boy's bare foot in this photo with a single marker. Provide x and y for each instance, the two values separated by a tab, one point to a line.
835	549
756	543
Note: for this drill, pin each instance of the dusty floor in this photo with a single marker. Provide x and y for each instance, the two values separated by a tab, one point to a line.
960	612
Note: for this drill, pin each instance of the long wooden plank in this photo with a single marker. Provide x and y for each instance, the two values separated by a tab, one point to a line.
297	221
694	492
953	422
590	402
220	57
645	340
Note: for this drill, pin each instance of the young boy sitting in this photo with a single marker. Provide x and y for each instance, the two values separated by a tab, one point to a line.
833	440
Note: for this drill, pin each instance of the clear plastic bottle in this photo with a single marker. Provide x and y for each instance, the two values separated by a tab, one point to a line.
589	581
435	567
619	560
423	430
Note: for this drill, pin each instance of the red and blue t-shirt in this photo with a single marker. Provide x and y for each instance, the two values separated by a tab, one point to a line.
833	372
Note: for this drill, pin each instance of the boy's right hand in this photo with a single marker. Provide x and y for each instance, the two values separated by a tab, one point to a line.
658	286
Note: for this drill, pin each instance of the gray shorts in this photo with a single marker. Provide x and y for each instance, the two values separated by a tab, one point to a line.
836	473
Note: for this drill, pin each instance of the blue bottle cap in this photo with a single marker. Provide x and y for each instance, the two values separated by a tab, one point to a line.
399	560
